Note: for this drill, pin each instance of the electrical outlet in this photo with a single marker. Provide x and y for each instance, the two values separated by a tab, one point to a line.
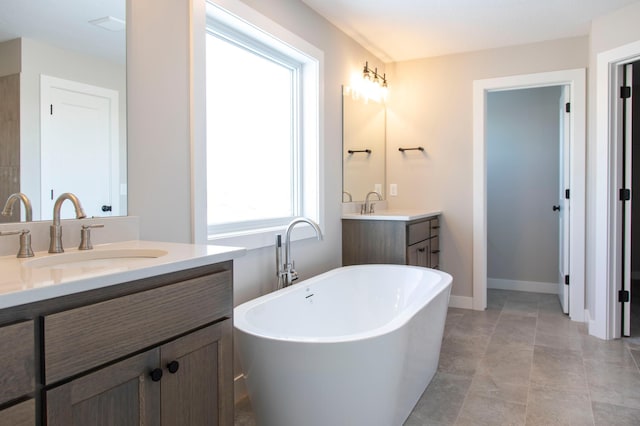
393	189
378	188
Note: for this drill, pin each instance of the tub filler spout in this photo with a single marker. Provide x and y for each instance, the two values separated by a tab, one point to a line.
285	271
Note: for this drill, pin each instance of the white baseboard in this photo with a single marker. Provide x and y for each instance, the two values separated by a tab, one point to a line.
462	302
530	286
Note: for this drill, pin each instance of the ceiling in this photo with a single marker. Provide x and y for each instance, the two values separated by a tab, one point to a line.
65	24
399	30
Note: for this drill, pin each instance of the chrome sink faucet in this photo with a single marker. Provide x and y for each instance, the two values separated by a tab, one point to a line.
55	244
286	274
8	207
367	206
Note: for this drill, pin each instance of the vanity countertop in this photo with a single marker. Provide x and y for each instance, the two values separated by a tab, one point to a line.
41	277
400	214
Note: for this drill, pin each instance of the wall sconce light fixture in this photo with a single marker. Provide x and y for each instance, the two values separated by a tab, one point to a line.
370	85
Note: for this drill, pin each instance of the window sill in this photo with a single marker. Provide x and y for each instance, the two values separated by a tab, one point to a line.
259	238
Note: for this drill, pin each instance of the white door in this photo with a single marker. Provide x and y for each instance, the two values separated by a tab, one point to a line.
79	146
626	178
564	195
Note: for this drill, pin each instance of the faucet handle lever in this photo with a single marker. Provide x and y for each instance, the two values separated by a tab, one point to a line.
85	236
25	242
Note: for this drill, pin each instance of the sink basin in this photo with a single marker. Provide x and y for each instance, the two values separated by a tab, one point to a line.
94	258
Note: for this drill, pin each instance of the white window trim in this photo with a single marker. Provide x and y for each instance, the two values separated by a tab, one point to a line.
312	157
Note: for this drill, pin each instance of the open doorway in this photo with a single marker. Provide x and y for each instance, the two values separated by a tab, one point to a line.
527	213
576	80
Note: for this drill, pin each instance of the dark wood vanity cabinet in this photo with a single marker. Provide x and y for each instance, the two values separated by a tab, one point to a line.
182	382
17	375
156	351
415	242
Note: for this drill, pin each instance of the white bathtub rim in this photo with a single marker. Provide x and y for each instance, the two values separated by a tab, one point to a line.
241	324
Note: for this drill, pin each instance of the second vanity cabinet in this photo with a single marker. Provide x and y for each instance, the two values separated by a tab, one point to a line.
156	351
405	242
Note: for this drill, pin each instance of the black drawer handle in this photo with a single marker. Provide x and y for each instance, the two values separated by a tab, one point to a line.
435	252
173	366
156	374
435	227
422	250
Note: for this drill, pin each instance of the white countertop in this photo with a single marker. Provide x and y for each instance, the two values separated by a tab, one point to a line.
20	283
400	214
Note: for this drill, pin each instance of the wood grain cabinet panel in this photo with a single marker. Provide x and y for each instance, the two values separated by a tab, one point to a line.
122	394
17	372
197	388
79	339
187	381
22	414
390	241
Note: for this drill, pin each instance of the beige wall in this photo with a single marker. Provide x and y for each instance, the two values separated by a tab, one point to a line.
159	138
430	104
607	32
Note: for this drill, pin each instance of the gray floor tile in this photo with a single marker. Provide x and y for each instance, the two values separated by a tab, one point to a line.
441	401
608	414
558	368
546	407
612	384
480	410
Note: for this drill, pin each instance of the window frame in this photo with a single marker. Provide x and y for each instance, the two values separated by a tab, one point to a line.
241	18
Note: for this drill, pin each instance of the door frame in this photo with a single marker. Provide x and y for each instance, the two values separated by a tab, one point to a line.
576	79
605	318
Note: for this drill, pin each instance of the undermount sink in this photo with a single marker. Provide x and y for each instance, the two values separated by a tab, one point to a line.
94	258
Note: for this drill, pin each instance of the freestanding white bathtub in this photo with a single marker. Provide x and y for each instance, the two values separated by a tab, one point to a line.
354	346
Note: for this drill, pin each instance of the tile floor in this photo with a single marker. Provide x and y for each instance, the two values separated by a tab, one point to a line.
522	362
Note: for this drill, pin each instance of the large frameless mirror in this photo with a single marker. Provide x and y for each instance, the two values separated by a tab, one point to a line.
63	105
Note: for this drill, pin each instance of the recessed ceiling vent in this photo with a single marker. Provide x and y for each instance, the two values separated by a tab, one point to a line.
109	23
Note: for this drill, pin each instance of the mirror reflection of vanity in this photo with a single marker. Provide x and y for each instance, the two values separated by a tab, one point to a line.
63	105
364	136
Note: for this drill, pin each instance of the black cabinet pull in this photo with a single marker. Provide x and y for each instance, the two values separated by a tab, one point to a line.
435	227
173	366
156	374
556	208
422	250
435	252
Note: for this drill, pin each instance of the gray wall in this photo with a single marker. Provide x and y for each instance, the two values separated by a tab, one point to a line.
522	184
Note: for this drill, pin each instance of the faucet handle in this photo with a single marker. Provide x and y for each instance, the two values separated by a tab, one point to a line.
25	242
85	236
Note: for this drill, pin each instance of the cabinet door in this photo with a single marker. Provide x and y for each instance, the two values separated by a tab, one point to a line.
197	388
122	394
22	414
418	254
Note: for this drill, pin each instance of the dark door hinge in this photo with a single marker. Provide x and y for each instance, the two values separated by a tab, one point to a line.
625	194
623	296
566	279
567	107
567	193
625	92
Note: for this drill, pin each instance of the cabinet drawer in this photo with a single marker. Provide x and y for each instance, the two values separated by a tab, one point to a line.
434	227
22	414
418	232
80	339
17	376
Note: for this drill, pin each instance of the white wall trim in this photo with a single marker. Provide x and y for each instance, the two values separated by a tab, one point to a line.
606	315
462	302
517	285
576	79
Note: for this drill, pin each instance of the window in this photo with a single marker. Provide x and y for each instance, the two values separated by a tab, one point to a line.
262	143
